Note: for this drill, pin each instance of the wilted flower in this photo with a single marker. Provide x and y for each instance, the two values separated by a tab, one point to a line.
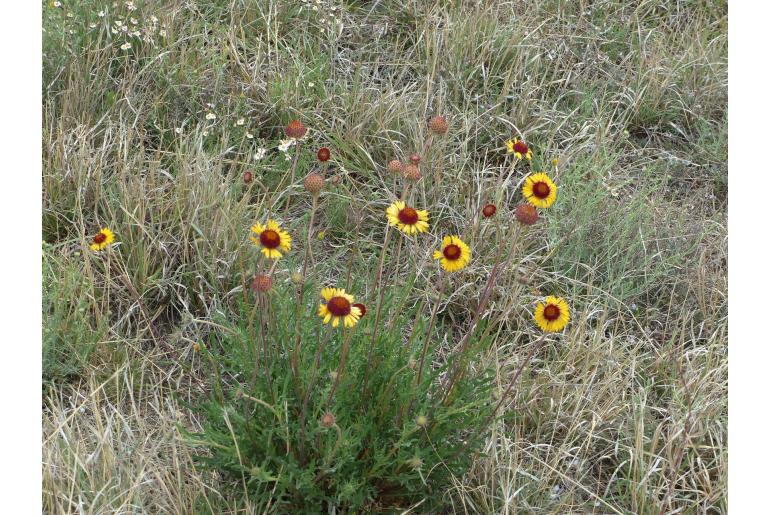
261	284
489	210
328	420
314	183
295	129
412	173
323	154
248	177
395	166
438	125
526	214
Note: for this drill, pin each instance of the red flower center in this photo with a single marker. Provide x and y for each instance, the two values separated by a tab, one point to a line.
521	147
541	190
361	307
323	154
338	306
551	312
269	239
100	238
408	216
489	210
452	252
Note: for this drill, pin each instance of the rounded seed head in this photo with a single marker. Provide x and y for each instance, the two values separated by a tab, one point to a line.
295	129
416	463
438	125
526	214
328	420
422	420
414	159
261	283
248	177
324	154
489	210
314	183
412	173
395	166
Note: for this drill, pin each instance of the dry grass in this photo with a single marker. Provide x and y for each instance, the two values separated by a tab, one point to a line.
626	413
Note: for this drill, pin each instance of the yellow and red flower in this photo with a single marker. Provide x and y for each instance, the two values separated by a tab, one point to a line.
519	148
539	190
102	239
339	306
454	254
407	219
271	239
552	315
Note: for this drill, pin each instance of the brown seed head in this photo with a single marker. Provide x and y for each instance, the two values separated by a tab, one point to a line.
261	283
489	210
328	420
395	166
295	129
438	125
248	177
314	183
412	173
414	159
526	214
323	154
336	180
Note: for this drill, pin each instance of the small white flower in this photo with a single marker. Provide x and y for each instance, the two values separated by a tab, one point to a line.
249	135
311	84
118	23
71	31
211	116
57	4
92	26
261	152
101	14
178	130
205	133
124	28
154	19
286	144
131	6
162	33
240	121
134	21
70	15
136	34
125	46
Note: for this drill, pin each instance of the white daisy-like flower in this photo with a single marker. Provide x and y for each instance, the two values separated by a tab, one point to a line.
286	144
131	6
211	116
118	23
261	152
162	33
311	84
249	135
240	121
124	28
154	19
125	46
179	130
134	21
101	14
205	133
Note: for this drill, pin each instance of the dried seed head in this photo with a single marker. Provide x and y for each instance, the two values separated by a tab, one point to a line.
295	129
414	159
526	214
422	420
412	173
416	463
328	420
412	363
323	154
297	278
261	283
395	166
314	183
489	210
333	375
438	125
248	177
